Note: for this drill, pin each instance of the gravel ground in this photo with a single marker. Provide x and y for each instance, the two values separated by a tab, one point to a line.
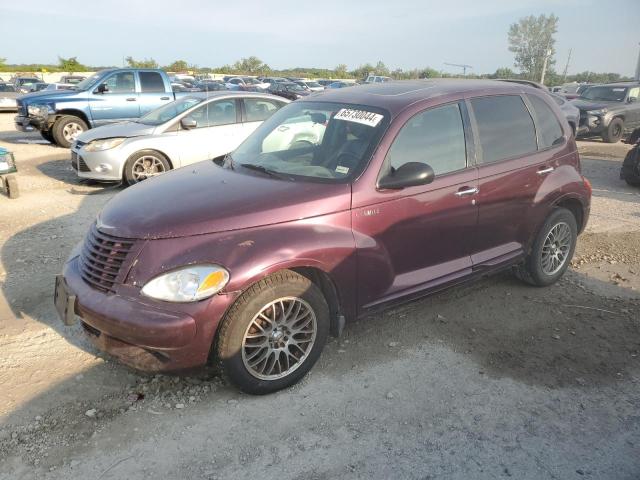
494	379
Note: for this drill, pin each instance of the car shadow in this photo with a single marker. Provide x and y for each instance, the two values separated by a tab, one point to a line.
62	171
604	176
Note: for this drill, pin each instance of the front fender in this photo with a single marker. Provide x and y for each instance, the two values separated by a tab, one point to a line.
325	243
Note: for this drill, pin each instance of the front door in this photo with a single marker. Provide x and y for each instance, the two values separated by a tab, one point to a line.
118	101
418	238
215	134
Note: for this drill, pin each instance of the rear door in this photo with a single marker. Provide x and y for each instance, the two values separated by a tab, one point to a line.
633	115
255	111
511	170
118	102
153	92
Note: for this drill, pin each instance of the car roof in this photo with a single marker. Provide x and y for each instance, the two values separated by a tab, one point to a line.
619	84
395	96
230	93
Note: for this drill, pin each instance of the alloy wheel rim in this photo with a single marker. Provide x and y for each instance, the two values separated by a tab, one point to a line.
147	166
71	131
555	249
279	338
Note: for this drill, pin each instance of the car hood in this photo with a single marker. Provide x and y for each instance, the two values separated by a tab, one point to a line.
587	105
120	129
46	94
205	198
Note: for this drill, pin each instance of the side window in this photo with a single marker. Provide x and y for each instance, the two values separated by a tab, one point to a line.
434	137
549	129
634	92
258	109
151	82
222	112
123	82
505	127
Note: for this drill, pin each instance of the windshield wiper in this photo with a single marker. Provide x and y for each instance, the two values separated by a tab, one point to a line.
261	169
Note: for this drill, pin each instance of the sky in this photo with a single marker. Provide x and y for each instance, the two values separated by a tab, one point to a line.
604	35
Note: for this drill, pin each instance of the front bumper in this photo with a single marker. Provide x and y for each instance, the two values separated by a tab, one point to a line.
591	124
26	124
106	165
144	334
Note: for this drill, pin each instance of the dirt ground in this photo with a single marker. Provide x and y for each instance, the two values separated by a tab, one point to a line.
492	380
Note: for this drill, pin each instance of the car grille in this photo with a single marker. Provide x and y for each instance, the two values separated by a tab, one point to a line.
101	259
22	108
78	163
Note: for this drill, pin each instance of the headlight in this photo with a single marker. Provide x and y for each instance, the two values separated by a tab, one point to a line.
600	111
38	110
188	284
104	144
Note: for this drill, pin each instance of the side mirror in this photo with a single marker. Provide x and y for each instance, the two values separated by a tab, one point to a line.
102	88
188	123
410	174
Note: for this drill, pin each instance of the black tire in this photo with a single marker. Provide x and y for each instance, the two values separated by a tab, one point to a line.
532	271
614	131
630	171
238	320
632	182
47	136
132	174
63	127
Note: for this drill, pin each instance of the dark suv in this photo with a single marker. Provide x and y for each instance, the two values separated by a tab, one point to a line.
337	205
609	110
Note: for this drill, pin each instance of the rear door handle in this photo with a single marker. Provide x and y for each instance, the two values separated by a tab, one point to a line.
544	171
164	98
132	99
464	191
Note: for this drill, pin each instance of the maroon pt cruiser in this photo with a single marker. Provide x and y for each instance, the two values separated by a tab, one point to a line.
343	202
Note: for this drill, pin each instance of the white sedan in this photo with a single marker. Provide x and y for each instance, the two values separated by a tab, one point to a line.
197	127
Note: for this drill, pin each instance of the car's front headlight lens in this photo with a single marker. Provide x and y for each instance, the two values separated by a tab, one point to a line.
103	144
38	110
188	284
600	111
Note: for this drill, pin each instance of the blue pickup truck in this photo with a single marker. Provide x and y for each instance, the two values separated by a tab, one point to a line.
108	96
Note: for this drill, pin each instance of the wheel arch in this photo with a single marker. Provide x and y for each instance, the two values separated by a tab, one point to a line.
73	113
576	208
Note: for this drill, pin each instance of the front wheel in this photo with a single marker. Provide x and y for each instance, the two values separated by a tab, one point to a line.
614	131
274	333
552	250
66	129
145	164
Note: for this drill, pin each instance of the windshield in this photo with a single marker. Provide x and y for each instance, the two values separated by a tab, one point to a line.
313	141
293	86
169	111
89	82
606	94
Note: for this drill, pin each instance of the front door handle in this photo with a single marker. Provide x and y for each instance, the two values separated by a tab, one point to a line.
464	191
544	171
132	99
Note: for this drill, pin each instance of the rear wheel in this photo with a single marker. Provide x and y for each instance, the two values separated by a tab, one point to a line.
66	129
614	131
145	164
274	333
552	250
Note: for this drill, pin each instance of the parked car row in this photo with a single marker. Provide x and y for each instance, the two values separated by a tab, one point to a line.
318	217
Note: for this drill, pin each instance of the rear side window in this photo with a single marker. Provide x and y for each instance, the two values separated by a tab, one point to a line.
505	127
258	109
434	137
151	82
549	129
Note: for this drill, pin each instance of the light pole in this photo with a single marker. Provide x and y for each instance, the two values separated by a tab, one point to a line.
544	65
638	68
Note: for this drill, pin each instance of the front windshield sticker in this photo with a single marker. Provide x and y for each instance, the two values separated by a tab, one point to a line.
359	116
341	169
618	89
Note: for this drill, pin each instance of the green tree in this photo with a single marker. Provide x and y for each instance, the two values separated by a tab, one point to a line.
70	65
177	66
341	71
381	69
503	72
146	63
251	65
429	72
531	40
